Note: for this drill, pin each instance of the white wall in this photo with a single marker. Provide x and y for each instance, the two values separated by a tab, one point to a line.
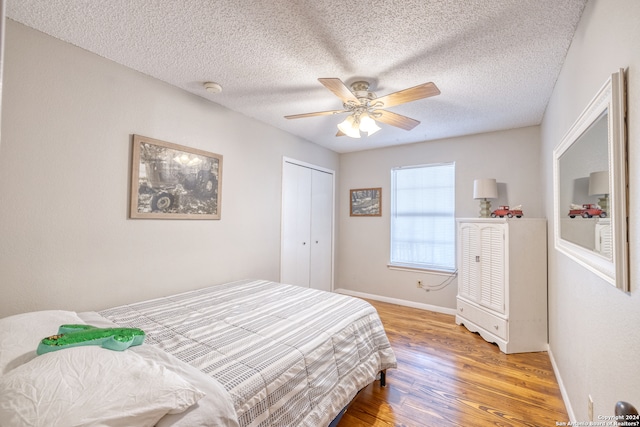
2	26
65	238
512	157
595	328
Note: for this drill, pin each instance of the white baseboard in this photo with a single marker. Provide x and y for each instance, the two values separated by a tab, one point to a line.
397	301
563	391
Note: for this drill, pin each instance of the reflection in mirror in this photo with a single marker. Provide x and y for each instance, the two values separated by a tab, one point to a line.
584	168
590	186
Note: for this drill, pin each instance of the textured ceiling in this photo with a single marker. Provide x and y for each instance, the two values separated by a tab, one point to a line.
495	61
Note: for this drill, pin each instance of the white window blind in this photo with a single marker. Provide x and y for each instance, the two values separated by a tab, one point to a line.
423	217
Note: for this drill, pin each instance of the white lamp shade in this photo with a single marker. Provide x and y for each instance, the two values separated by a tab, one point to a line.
367	124
485	188
599	183
347	127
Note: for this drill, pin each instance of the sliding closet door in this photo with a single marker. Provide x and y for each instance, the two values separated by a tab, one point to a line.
307	226
296	225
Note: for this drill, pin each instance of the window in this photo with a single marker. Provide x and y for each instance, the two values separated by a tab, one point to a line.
423	217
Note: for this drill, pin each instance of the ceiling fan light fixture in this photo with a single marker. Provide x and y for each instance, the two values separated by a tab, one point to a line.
366	109
350	127
368	125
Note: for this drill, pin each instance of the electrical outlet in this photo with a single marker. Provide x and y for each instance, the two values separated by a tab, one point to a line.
419	284
590	408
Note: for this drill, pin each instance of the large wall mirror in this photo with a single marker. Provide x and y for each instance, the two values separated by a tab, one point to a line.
590	187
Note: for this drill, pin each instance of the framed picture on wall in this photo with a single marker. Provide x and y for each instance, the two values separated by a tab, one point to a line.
171	181
366	202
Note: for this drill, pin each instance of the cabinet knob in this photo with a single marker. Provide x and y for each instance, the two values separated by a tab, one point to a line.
304	243
461	309
496	326
316	242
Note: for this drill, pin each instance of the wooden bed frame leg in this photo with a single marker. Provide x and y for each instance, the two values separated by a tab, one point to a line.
383	378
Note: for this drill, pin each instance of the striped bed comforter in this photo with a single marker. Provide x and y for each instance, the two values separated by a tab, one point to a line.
287	355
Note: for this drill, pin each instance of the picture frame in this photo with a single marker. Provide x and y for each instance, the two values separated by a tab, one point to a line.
171	181
365	201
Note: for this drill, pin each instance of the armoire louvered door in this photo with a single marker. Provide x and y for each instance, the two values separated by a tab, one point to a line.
492	266
482	264
468	269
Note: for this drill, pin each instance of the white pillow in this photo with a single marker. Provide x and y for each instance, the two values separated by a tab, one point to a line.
20	334
90	385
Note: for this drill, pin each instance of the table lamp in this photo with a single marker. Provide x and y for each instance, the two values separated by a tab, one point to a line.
483	189
599	186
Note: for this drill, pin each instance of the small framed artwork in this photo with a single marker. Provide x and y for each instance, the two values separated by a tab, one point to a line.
366	202
171	181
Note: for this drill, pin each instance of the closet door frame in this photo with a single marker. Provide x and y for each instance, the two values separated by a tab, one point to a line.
333	211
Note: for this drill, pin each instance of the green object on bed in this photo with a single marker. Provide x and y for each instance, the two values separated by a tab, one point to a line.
68	336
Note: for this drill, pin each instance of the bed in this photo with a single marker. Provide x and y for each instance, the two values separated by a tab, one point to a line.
251	353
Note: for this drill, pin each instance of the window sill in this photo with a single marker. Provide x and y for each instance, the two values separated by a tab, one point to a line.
399	267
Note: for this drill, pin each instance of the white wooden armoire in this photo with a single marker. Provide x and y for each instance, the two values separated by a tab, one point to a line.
307	225
502	281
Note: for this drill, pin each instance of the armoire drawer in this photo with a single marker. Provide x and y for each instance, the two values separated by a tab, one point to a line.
493	324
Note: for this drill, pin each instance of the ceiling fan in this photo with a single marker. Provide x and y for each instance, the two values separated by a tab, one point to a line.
366	108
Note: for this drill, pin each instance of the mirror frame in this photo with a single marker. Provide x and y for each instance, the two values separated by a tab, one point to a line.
610	99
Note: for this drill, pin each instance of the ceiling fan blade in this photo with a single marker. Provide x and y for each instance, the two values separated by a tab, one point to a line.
319	113
339	89
424	90
340	133
394	119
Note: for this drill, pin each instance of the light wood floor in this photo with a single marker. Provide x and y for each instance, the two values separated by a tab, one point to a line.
448	376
